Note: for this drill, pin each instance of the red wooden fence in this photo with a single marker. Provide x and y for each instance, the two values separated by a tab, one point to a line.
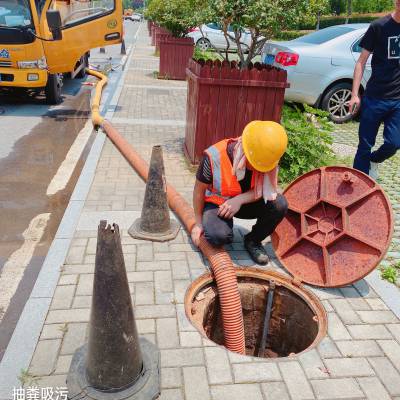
222	100
175	54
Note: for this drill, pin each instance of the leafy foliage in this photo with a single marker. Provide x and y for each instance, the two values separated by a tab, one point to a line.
310	141
391	273
205	55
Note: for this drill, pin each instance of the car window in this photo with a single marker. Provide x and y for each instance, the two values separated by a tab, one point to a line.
214	26
324	35
356	46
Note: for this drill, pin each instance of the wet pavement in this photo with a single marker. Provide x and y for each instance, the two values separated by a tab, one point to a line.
42	152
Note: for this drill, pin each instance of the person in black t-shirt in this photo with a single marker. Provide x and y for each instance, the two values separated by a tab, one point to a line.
381	100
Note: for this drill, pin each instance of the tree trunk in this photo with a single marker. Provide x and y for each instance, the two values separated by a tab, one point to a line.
318	21
349	10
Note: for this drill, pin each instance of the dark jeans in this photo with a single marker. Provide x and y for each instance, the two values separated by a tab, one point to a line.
373	113
219	231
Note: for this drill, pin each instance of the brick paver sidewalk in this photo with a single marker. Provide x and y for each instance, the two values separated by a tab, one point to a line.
360	357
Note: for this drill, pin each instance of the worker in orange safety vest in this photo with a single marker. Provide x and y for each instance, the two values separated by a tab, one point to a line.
238	177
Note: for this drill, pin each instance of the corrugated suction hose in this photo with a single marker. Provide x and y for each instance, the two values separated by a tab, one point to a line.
221	263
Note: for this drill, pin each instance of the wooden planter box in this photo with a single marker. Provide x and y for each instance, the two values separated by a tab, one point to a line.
160	34
175	54
222	100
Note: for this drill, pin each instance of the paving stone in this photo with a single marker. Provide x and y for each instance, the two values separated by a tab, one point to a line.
218	366
145	252
153	266
359	348
296	381
345	312
169	256
190	339
312	364
196	385
65	316
373	389
140	276
85	285
45	357
74	338
167	333
328	349
180	269
347	367
155	311
171	378
181	287
195	260
337	389
63	364
183	322
236	392
78	269
395	330
336	328
275	391
369	332
63	296
144	293
79	242
75	255
53	381
146	326
163	281
378	317
160	247
171	394
249	372
52	331
182	357
392	350
327	306
377	304
364	289
387	373
326	293
69	279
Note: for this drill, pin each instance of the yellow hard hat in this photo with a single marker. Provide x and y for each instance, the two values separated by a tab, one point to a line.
264	143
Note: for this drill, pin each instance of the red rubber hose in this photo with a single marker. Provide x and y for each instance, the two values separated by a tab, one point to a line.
221	263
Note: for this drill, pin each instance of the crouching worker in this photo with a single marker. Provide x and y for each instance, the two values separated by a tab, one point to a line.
239	178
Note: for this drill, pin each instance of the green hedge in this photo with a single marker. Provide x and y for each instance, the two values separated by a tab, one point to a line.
290	35
331	21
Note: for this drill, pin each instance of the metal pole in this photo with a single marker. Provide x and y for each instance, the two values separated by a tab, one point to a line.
267	319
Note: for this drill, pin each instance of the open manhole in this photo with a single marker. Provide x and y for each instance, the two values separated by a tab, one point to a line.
297	323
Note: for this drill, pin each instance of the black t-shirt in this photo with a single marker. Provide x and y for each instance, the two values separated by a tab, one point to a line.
383	40
204	173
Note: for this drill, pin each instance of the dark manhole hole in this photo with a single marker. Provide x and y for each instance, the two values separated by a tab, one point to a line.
298	319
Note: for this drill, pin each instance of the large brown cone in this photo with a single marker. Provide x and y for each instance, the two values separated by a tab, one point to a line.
114	359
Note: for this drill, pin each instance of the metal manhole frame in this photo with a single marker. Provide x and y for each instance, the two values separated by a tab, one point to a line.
263	274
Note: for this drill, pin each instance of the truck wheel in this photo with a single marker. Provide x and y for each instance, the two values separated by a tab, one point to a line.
85	61
53	89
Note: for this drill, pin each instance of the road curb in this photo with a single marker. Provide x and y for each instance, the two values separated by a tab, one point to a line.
21	347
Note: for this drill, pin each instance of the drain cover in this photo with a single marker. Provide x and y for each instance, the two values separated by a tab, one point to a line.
338	227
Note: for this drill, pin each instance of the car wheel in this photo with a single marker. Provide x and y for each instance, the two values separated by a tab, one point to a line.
53	89
203	44
335	102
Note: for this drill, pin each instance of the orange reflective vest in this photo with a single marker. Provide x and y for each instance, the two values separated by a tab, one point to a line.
224	183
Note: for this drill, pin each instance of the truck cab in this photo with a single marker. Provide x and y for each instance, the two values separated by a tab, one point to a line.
40	40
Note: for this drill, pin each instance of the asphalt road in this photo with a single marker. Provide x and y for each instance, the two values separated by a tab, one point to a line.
42	151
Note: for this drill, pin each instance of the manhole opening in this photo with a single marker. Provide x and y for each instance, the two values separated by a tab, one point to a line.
297	322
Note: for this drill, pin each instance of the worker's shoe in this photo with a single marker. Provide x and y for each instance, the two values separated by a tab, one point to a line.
256	251
374	171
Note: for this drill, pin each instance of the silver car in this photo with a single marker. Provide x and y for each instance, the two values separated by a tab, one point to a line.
214	37
320	67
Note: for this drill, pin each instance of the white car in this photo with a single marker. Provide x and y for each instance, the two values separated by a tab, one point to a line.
214	38
320	67
134	17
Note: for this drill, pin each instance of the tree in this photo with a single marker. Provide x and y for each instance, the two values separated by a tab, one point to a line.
262	19
349	11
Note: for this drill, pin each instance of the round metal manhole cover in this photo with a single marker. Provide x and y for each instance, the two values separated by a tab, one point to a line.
297	322
338	227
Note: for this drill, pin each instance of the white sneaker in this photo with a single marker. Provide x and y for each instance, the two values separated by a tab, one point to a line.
374	171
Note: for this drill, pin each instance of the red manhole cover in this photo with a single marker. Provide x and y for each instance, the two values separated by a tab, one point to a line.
338	227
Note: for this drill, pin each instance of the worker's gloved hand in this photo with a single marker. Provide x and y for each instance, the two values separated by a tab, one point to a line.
197	231
229	208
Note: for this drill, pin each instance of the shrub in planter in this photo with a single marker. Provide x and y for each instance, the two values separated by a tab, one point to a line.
222	100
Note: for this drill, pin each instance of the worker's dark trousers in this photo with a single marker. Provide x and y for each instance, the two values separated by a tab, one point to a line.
219	231
373	113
